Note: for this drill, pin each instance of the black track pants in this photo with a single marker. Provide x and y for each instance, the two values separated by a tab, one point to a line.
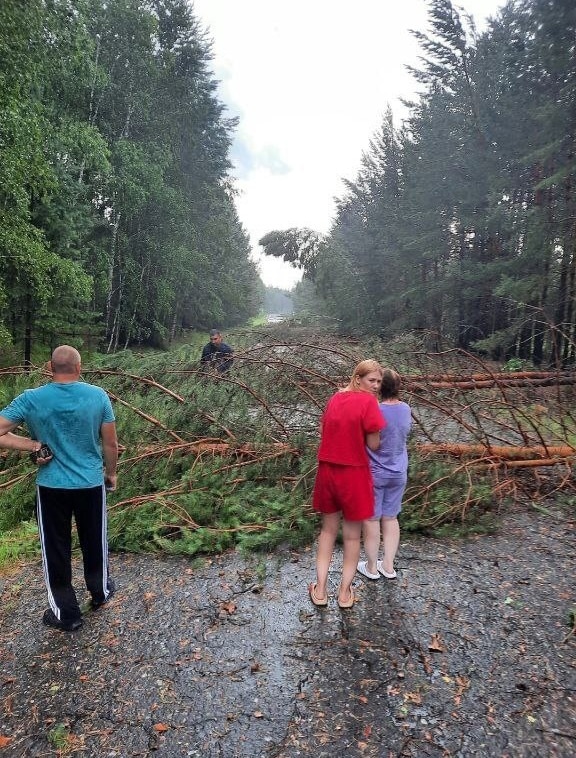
55	508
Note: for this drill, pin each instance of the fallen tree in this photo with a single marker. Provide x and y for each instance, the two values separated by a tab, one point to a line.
215	461
539	455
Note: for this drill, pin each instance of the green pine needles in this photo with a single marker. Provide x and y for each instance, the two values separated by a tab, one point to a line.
215	462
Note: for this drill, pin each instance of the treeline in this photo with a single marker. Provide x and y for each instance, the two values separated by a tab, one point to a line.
278	301
462	221
117	219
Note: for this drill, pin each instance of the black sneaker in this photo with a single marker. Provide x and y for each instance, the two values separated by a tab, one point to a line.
50	619
95	604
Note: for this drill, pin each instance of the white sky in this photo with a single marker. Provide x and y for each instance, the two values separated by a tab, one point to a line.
310	81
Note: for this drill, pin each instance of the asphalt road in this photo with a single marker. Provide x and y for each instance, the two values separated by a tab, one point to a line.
468	653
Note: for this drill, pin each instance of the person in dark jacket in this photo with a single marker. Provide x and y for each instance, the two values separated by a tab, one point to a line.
217	355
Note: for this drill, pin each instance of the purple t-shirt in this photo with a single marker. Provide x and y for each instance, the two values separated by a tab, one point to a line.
391	458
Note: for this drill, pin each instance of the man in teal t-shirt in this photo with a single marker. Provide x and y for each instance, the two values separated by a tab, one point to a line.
76	421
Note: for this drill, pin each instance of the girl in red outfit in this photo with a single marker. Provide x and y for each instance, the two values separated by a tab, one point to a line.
350	422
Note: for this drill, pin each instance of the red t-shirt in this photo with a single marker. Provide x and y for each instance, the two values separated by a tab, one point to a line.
347	419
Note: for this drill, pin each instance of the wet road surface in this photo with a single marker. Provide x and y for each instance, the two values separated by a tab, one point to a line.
467	653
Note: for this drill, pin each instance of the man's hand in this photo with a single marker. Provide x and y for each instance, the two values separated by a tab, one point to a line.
110	483
41	456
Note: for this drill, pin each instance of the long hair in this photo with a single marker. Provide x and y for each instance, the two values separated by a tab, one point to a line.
390	386
363	368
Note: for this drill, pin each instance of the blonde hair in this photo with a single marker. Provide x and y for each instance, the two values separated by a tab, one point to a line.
364	367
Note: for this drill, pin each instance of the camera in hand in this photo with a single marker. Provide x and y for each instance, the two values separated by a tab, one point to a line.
43	453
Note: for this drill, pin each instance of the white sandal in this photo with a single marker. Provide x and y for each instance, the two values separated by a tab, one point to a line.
362	568
380	568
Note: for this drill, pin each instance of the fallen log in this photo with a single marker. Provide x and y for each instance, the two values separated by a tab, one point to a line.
542	454
469	383
489	375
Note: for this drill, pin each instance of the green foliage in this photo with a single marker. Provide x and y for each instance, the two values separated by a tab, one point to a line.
59	737
516	364
209	506
458	221
17	500
296	246
441	499
118	222
218	462
260	320
177	493
19	543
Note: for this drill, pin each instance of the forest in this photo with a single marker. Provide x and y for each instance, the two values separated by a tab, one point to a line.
118	224
461	221
117	218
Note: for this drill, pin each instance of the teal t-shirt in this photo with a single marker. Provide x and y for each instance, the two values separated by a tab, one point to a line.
68	417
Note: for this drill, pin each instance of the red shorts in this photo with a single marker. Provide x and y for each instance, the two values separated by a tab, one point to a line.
344	488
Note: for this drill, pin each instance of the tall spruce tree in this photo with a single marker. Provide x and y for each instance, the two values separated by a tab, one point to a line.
359	267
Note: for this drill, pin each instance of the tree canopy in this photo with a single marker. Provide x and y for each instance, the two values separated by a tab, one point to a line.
461	221
117	214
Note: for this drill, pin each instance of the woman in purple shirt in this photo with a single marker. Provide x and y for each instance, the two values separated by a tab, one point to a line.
389	466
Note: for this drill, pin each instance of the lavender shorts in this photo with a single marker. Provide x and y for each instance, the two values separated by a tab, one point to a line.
388	494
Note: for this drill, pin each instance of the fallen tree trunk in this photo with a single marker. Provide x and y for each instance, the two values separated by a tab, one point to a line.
539	455
486	382
490	375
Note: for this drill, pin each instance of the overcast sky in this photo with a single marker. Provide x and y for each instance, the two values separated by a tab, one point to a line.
310	81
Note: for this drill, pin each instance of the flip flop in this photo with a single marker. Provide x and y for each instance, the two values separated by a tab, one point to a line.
320	602
362	568
348	603
385	574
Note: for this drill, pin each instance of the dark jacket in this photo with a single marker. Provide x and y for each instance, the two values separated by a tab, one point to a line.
218	357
